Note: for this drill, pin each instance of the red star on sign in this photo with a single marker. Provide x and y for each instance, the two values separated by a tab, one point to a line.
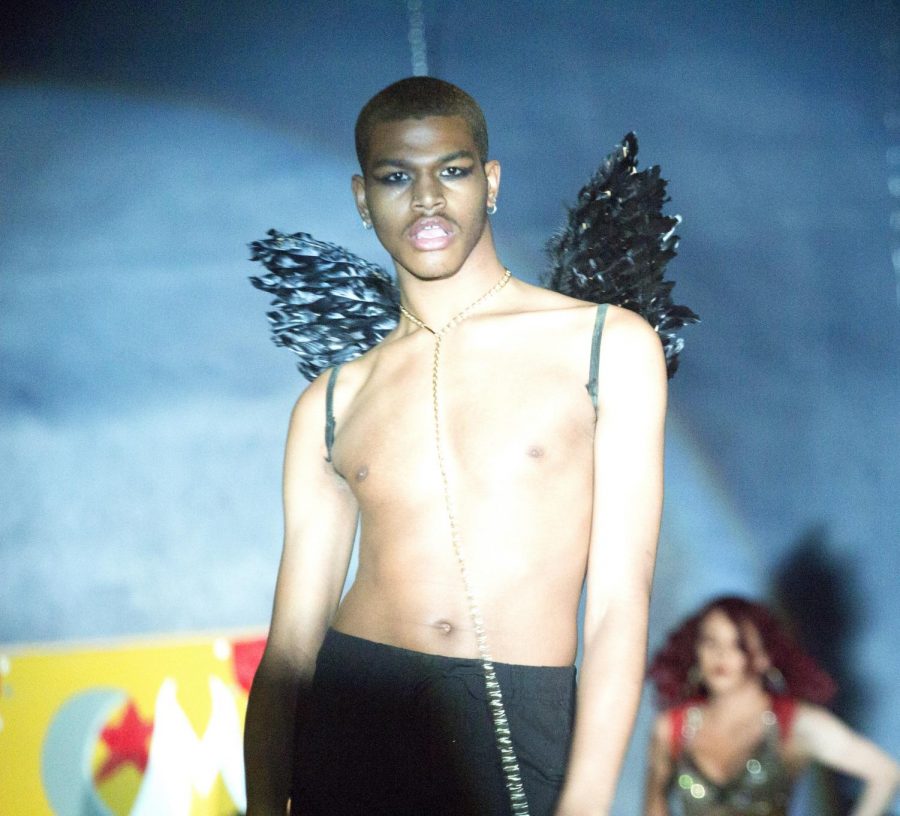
129	741
247	654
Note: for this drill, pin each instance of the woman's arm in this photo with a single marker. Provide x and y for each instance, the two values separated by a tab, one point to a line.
820	736
659	769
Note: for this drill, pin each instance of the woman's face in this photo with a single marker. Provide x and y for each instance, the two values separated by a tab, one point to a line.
728	657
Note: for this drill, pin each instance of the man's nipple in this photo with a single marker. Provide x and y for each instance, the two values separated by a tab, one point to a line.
361	473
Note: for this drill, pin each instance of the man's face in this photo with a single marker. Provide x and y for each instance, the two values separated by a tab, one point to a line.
425	191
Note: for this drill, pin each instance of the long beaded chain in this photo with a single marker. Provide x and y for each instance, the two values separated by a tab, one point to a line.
502	732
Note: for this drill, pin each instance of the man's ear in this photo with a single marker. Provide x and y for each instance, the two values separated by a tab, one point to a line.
492	173
358	185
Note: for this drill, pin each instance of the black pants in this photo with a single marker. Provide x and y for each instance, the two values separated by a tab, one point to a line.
398	732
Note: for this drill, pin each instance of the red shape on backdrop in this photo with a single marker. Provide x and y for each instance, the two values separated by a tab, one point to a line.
247	654
128	743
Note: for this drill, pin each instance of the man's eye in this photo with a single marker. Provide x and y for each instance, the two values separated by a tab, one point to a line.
397	177
456	172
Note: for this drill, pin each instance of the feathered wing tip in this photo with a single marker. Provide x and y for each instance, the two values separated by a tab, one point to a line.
331	306
616	244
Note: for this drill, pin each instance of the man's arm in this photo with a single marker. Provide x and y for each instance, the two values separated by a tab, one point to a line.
320	516
628	479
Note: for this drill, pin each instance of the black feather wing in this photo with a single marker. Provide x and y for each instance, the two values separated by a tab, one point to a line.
616	243
330	306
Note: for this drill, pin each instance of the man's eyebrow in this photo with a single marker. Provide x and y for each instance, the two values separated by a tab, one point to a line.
459	154
406	165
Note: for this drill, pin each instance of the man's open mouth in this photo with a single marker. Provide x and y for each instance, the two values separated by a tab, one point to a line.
430	234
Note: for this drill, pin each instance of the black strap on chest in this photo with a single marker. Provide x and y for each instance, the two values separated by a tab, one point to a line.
329	411
595	354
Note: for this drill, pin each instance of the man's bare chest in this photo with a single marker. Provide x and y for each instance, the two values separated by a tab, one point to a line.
502	414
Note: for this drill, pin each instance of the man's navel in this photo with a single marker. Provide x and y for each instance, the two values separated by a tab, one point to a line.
444	627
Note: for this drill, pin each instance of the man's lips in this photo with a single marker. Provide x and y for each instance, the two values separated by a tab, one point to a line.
428	234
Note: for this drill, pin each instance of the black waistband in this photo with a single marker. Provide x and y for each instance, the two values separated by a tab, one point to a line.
354	654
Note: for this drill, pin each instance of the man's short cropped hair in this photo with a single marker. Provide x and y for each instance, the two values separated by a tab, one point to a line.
415	98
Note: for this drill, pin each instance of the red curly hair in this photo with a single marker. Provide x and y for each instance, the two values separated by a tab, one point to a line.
671	666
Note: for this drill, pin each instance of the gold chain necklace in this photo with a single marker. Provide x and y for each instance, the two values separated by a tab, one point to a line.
502	733
459	316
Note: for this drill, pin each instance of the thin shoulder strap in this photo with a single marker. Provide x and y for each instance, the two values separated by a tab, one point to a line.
595	353
784	708
676	731
329	411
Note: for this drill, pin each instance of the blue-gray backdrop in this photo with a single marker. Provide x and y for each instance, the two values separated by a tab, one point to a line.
143	409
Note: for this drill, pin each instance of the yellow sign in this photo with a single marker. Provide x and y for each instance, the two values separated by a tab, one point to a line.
138	729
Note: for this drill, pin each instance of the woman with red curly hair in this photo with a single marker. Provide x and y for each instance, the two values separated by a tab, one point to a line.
742	715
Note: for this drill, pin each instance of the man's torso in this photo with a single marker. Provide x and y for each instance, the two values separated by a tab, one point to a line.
517	442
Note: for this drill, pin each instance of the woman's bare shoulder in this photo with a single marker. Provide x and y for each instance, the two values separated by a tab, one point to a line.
662	726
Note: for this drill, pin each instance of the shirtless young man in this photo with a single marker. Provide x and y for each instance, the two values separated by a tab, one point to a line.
546	491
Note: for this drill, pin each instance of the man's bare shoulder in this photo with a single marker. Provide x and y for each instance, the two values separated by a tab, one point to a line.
311	401
530	297
311	405
355	372
625	330
628	339
553	311
632	368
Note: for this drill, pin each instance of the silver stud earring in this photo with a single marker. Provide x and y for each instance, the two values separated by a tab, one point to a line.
367	224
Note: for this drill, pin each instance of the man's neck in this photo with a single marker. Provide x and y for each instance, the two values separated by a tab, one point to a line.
436	301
